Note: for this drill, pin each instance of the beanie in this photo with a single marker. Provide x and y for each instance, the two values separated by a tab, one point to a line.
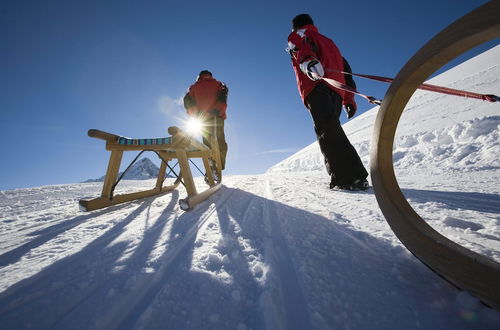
301	20
202	73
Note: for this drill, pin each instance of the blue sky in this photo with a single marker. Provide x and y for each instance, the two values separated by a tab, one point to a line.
123	66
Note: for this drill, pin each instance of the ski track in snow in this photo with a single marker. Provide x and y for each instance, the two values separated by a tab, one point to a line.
266	252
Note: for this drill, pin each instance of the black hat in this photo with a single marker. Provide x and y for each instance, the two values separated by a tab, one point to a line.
204	72
301	20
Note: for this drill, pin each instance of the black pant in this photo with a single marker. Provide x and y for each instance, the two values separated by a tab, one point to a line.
341	159
218	122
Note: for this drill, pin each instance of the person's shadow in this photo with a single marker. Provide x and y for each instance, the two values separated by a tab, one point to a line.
237	261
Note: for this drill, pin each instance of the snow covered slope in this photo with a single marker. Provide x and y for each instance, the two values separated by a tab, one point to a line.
272	251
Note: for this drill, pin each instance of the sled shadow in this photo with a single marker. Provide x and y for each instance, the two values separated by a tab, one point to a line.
67	283
46	234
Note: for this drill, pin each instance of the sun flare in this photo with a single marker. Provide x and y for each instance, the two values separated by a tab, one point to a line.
194	126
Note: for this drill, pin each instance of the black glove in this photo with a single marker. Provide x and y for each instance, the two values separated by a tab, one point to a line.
351	110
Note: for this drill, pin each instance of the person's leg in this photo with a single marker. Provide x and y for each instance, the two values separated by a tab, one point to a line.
221	138
218	122
348	167
341	159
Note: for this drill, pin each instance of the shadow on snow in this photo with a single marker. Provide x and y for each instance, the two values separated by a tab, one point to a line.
335	276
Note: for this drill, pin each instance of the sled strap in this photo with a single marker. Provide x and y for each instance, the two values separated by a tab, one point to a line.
337	84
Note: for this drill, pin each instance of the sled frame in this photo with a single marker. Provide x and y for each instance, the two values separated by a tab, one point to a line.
462	267
179	145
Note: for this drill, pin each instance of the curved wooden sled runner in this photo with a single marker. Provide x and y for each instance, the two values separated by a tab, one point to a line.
179	145
465	269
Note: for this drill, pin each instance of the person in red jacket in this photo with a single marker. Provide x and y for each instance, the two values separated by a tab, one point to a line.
206	99
314	56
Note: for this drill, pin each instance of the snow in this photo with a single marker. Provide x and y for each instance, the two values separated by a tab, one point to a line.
272	251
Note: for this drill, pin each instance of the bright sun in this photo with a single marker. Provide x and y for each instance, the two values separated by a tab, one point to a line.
194	126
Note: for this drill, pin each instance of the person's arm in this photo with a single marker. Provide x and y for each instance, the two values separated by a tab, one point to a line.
222	93
303	52
221	100
189	102
349	103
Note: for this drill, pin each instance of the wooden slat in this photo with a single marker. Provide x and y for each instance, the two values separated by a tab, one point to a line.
191	201
186	172
176	131
111	173
198	154
208	171
216	153
101	202
200	146
161	175
179	138
131	147
98	134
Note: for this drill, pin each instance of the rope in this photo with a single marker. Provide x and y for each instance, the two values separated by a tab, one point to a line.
349	89
429	87
171	169
178	178
123	173
197	168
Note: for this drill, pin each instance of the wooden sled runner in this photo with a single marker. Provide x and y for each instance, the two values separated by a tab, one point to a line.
179	145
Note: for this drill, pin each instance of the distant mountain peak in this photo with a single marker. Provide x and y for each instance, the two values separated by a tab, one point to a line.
142	169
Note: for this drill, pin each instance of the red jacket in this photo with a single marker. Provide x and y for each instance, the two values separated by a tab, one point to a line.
307	43
205	95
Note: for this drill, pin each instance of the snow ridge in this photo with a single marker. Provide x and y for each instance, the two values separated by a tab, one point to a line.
468	146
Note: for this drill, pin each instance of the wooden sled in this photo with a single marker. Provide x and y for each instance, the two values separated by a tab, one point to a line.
462	267
179	145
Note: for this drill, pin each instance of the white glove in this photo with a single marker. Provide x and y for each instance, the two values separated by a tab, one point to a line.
313	69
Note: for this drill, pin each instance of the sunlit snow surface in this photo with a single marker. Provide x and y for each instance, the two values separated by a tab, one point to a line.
272	251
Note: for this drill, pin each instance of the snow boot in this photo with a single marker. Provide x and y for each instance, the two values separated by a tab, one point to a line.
359	184
333	182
